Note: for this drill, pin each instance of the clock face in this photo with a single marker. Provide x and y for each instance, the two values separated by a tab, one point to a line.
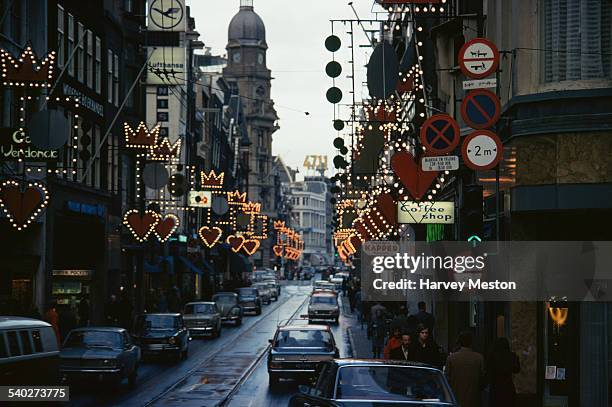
236	56
260	58
166	14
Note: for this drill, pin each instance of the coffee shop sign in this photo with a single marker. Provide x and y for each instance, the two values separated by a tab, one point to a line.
16	145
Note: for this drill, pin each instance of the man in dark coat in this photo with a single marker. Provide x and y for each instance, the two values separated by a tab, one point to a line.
426	350
405	352
425	318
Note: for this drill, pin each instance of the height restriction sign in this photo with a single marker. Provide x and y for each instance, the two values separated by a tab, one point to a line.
482	150
478	58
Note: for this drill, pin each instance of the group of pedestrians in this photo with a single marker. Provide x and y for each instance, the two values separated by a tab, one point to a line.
66	317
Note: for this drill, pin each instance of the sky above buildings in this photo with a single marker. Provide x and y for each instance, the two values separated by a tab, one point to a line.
296	33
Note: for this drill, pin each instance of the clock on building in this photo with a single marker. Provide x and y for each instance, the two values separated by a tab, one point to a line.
237	57
166	14
260	58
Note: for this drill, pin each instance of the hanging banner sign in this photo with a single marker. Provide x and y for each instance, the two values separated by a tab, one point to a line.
440	163
200	199
16	145
478	58
425	212
480	84
167	66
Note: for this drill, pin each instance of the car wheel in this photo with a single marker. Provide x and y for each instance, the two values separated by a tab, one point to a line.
258	311
273	382
336	320
239	322
132	377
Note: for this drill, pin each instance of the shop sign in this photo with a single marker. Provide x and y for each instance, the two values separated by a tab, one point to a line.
426	212
167	66
73	273
16	145
84	100
200	199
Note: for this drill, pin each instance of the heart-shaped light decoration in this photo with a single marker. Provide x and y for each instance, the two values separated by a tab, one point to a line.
278	250
210	236
235	242
166	227
250	246
411	175
141	224
22	208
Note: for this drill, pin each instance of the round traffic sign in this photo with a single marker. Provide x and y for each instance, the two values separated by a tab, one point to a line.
478	58
440	134
482	150
480	109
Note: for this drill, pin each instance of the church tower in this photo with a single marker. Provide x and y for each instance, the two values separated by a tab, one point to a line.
247	70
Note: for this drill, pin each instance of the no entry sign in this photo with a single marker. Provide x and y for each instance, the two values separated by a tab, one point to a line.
482	150
478	58
440	134
480	109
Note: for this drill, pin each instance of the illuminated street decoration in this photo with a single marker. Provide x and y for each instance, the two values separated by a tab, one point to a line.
210	236
142	137
235	242
165	151
250	246
166	227
212	180
141	225
27	70
22	205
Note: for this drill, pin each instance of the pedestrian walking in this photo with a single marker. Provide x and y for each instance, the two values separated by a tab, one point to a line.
395	341
405	351
426	350
111	311
501	364
84	311
425	318
53	319
465	371
379	331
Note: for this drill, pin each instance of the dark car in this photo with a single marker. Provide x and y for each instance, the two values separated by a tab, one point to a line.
349	382
99	353
162	334
250	300
202	319
323	306
297	349
229	307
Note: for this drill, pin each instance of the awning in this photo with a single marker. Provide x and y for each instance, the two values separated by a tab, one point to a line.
189	265
159	265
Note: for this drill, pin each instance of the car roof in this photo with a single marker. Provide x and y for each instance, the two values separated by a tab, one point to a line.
100	329
322	293
381	362
21	322
224	293
171	314
200	302
309	327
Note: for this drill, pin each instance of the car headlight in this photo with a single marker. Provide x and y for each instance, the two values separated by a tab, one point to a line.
109	362
172	340
236	311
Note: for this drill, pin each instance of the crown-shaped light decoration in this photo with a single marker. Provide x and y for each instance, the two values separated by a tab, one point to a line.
142	137
279	224
27	70
237	197
164	151
212	180
251	207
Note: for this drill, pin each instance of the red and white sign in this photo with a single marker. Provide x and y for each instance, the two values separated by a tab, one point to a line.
482	150
478	58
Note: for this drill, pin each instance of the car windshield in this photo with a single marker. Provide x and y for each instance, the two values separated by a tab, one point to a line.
199	309
393	383
307	338
261	286
94	339
225	299
323	299
247	291
153	322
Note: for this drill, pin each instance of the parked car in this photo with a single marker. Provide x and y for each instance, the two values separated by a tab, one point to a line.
277	285
162	334
308	273
202	319
324	285
297	349
29	353
229	307
337	281
323	306
273	291
264	290
99	353
250	300
349	382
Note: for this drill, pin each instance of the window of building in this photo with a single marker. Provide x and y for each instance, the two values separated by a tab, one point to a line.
109	76
71	43
81	52
577	40
130	78
116	79
96	168
90	56
61	50
98	66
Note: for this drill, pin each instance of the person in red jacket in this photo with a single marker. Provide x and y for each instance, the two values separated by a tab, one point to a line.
394	341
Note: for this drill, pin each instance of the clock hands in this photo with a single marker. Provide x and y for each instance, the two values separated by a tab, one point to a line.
167	13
